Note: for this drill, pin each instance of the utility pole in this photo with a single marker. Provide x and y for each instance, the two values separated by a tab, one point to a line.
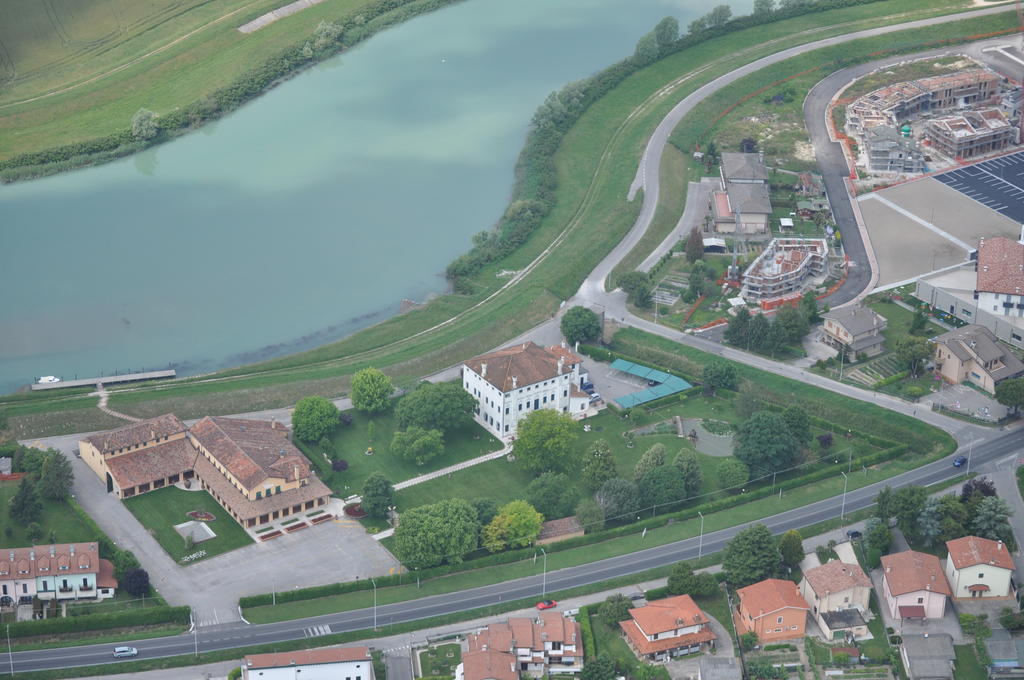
970	452
374	603
700	541
195	633
10	657
846	481
544	577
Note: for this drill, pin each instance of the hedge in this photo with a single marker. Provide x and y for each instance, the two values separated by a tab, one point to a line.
125	618
587	633
895	377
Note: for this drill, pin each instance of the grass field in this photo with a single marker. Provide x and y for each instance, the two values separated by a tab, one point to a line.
57	517
967	665
160	510
440	660
609	641
595	165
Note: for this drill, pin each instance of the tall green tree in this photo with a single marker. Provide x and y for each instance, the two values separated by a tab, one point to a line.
598	465
929	526
992	520
647	50
662	486
516	525
436	406
615	608
907	504
544	441
765	443
757	333
719	15
799	424
553	495
56	477
601	668
912	353
378	495
618	498
580	324
884	508
683	581
719	375
738	330
666	32
763	7
809	307
417	445
25	505
371	390
877	535
732	474
590	515
695	245
314	418
1011	393
792	324
954	518
750	556
652	458
693	476
434	534
638	288
791	548
144	125
486	510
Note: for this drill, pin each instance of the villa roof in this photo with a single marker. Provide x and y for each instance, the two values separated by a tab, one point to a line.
307	657
644	646
251	450
856	320
835	576
668	614
520	365
137	433
971	550
105	576
487	664
155	462
769	596
50	560
1001	266
968	342
748	166
911	571
749	198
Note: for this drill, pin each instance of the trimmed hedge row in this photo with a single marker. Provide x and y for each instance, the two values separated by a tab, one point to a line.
126	618
587	633
895	377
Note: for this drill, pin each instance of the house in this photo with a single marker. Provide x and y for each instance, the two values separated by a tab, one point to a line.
344	663
555	530
742	204
784	268
719	668
955	291
549	645
979	567
486	664
140	457
999	287
913	585
889	151
971	134
973	354
928	657
513	382
773	609
839	594
253	470
61	571
670	627
855	330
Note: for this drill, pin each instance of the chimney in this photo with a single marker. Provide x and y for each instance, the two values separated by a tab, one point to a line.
561	363
1021	239
71	548
295	468
515	382
563	340
53	551
576	347
1000	544
483	370
281	453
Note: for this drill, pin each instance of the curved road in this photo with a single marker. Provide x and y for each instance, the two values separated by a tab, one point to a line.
592	292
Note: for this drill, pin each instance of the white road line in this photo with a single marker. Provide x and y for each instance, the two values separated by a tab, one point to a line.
927	225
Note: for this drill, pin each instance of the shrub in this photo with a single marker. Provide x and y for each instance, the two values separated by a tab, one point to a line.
235	673
339	465
125	618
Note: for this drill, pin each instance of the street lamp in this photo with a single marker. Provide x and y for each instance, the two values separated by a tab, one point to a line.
970	451
10	656
700	541
374	603
846	481
195	632
544	576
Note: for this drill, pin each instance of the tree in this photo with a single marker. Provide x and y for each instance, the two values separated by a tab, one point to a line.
580	324
752	555
652	458
719	375
598	465
56	477
765	443
928	522
877	535
912	352
33	532
799	424
809	307
325	33
666	32
976	490
683	581
792	324
732	473
432	534
553	495
757	333
791	548
763	7
954	517
637	286
371	390
436	406
662	485
618	498
693	476
486	509
615	608
590	515
136	582
698	25
748	641
647	50
919	324
737	331
992	520
144	125
719	15
378	495
601	668
1011	393
884	509
776	339
25	506
907	504
694	245
544	441
748	401
417	445
314	418
516	525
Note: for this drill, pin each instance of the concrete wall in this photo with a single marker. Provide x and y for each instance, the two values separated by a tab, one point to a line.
996	578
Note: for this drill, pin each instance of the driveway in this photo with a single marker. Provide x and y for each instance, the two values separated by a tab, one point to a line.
969	401
949	623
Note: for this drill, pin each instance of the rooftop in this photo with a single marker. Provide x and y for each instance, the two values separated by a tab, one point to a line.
971	550
152	463
974	341
252	450
744	166
910	571
137	434
670	613
487	664
521	365
835	576
770	595
662	644
856	320
50	560
307	657
1001	266
749	199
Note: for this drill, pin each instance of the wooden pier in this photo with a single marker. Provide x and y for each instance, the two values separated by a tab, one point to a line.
107	380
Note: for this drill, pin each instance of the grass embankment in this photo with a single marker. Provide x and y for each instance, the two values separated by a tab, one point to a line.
595	165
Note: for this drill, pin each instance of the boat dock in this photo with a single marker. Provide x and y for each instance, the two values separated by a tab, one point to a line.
107	380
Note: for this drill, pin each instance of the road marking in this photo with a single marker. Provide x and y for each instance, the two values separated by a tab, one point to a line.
317	631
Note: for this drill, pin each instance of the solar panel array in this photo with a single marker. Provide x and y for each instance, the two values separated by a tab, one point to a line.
668	384
997	183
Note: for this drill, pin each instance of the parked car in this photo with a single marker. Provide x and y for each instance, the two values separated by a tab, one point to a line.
125	652
960	461
853	534
589	390
546	604
652	383
595	397
587	386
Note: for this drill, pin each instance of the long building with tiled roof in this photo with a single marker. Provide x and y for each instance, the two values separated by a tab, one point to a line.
60	571
510	383
548	645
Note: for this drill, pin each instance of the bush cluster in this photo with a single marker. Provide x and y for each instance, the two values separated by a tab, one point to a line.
125	618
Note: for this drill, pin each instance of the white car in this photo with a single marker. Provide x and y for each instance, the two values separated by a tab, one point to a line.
47	379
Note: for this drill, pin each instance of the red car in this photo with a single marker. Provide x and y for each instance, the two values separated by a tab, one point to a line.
547	604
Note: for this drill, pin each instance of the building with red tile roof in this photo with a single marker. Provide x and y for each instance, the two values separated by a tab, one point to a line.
59	571
773	609
487	664
670	627
548	645
979	567
140	457
353	663
913	585
839	594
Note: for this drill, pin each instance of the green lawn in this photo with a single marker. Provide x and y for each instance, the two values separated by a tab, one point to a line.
58	517
350	442
160	510
609	641
967	665
440	660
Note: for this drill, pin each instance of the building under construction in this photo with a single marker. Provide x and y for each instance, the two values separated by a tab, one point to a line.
785	269
971	134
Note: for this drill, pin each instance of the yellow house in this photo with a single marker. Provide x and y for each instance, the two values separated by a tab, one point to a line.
973	354
979	567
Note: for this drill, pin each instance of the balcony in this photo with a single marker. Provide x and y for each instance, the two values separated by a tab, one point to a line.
65	589
85	589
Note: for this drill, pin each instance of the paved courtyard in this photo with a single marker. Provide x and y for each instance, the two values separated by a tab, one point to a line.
969	401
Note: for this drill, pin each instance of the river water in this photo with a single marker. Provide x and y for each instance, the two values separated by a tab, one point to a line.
308	214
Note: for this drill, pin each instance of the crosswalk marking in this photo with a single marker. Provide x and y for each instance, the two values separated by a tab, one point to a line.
317	631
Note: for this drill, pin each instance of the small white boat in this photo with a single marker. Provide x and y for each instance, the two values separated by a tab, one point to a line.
47	379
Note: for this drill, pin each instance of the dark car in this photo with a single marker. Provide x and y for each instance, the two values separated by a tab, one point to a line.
547	604
960	461
652	383
587	386
853	534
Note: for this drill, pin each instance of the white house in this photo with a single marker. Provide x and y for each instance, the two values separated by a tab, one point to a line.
550	645
350	663
61	571
1000	283
979	567
913	585
839	595
513	382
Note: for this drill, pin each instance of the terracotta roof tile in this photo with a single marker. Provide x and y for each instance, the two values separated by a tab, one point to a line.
1001	266
105	576
252	450
307	657
645	646
910	571
559	527
770	595
155	462
47	560
528	363
489	665
668	614
497	636
835	576
971	550
137	433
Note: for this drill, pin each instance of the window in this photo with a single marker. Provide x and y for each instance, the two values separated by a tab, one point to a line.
277	489
259	495
520	407
981	575
655	636
778	620
45	587
920	600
